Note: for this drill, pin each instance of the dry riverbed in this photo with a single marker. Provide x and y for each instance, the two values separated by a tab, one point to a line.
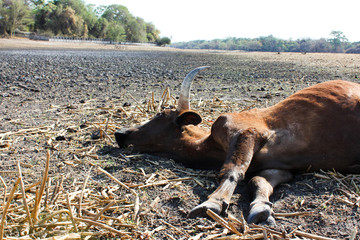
60	106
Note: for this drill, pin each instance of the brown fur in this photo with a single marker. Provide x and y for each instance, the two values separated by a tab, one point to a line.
315	128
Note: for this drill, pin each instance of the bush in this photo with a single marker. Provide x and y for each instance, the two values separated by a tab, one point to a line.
163	41
355	49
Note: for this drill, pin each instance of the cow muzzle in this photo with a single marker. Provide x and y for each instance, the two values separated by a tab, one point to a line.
121	136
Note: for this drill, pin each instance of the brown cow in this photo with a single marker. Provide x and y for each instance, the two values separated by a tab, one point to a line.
315	128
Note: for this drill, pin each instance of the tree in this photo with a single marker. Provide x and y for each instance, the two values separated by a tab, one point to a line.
60	18
321	45
37	3
152	34
119	18
270	44
85	14
355	48
4	17
163	41
252	45
116	13
337	40
100	28
75	18
69	23
115	32
304	45
14	14
136	30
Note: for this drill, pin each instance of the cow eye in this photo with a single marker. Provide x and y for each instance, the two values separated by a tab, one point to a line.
160	114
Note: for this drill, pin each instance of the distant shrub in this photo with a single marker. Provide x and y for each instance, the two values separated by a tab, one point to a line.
46	33
163	41
355	49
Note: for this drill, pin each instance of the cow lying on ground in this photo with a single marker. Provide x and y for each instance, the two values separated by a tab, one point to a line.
315	128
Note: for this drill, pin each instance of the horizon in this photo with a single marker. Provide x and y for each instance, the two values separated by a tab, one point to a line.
290	39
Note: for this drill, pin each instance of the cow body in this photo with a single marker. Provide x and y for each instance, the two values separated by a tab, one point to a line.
315	128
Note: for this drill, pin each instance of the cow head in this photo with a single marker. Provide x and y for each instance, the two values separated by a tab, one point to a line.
161	133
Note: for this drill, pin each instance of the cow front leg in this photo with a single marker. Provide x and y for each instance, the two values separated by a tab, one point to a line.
262	187
219	200
241	150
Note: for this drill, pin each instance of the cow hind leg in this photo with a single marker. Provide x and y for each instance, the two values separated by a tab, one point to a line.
262	186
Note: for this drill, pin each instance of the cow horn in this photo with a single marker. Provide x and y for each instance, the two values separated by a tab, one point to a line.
184	100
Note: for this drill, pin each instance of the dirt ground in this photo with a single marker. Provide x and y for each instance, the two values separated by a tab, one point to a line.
61	103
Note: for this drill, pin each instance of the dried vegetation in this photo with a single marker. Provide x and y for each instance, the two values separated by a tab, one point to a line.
63	177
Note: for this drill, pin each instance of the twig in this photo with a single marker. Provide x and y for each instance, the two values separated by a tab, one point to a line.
153	101
138	104
5	188
47	193
32	185
240	222
51	215
27	130
137	199
136	204
57	189
7	207
107	123
171	226
162	182
294	214
113	178
42	188
103	210
276	233
311	236
355	186
82	191
124	111
70	212
107	135
124	157
52	225
88	221
24	197
222	222
170	237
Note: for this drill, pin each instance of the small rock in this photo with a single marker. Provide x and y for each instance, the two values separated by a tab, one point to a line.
60	138
95	135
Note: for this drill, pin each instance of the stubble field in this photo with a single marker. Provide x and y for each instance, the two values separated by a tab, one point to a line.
60	107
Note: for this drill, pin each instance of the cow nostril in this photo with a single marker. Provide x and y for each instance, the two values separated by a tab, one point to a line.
120	137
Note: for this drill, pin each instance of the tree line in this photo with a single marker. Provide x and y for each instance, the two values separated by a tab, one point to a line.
73	18
337	42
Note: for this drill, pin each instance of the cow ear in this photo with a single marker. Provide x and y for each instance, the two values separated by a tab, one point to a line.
188	117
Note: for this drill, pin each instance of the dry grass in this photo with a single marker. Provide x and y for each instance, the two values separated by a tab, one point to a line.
47	208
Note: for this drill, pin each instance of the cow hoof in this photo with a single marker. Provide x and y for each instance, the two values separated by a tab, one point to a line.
261	213
200	210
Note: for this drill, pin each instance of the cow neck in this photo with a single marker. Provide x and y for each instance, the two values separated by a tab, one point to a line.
196	143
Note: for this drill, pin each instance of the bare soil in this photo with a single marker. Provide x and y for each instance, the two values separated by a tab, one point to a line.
68	100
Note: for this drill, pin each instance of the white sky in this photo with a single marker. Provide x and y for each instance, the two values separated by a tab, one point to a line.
186	20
